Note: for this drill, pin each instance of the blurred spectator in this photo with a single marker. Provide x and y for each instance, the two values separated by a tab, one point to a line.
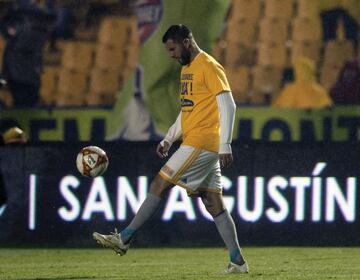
11	136
25	30
304	92
14	136
347	88
2	82
64	23
3	196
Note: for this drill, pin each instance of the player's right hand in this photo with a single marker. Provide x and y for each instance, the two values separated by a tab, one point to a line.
163	149
225	160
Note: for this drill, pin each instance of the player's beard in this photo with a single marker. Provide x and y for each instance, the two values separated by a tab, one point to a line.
185	57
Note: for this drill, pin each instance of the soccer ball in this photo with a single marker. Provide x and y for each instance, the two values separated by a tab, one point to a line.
92	161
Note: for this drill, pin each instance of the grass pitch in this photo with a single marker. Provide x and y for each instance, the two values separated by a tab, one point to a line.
200	263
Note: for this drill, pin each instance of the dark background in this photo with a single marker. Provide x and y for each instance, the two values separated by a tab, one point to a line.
53	161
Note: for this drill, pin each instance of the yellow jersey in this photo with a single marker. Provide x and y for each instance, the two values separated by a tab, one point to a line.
200	82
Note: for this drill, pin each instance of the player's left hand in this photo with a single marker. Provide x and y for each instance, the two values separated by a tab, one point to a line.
225	160
163	149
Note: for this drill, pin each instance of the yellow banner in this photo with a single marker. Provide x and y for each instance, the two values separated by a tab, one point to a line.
252	123
338	124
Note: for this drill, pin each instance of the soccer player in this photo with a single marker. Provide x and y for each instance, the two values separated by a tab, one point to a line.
205	123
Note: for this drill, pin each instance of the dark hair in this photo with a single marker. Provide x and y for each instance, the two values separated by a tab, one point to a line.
177	33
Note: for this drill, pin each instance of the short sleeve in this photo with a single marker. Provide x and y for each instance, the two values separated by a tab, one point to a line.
215	78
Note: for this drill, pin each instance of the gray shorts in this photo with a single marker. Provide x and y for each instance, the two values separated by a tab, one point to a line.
194	169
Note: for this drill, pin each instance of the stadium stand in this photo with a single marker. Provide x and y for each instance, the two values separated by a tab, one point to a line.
49	82
72	87
117	52
310	49
240	78
242	31
76	61
304	92
329	74
273	29
265	83
257	35
245	9
306	29
272	53
105	46
109	57
5	98
238	46
237	54
91	68
337	51
268	36
283	9
307	8
305	39
103	83
113	31
78	55
2	47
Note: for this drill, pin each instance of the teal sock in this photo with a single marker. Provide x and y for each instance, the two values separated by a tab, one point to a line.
226	227
147	209
127	234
